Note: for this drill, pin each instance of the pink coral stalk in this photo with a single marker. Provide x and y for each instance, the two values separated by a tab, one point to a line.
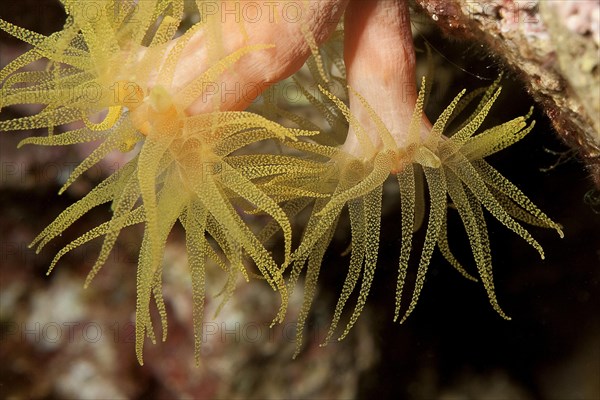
286	27
380	61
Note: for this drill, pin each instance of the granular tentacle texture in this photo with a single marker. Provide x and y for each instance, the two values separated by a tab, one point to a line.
196	159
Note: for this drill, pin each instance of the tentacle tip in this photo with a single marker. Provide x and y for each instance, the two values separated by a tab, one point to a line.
540	251
343	336
530	113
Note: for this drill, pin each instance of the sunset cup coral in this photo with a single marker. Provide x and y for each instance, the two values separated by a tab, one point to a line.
133	80
179	165
390	136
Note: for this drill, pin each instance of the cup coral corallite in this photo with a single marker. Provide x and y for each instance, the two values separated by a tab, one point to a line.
199	158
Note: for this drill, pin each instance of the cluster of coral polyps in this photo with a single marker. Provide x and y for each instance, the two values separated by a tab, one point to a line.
138	83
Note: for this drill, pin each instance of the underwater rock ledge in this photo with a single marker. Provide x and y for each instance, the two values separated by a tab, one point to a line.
553	46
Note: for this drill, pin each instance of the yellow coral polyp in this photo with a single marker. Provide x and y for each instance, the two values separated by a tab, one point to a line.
201	164
180	171
449	165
